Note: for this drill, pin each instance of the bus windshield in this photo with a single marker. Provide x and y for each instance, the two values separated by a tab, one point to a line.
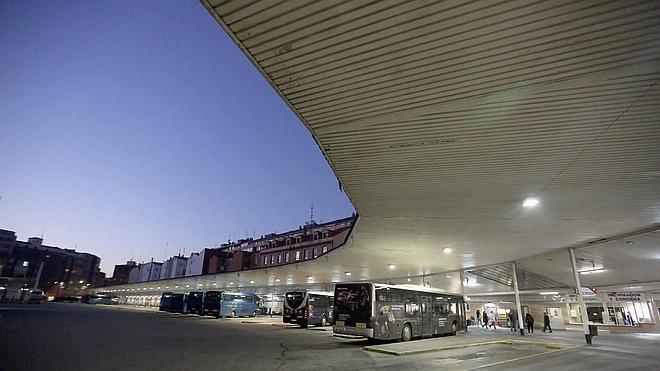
353	304
212	295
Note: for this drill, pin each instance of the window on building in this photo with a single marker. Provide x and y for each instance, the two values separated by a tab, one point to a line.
272	259
315	252
299	239
279	258
316	236
265	260
288	241
286	257
324	249
306	254
325	234
297	255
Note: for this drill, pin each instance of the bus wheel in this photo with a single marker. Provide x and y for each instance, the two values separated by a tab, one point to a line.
406	333
324	322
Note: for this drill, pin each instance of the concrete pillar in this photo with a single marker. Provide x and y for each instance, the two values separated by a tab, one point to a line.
517	294
36	282
654	309
578	288
606	314
460	274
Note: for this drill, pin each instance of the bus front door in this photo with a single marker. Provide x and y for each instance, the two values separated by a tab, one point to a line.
427	316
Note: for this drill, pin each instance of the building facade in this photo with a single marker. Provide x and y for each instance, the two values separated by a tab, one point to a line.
174	267
150	271
57	271
122	273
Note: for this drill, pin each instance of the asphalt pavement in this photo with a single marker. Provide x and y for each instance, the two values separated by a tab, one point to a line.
64	336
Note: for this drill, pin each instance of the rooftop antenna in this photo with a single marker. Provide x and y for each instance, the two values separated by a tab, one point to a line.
311	214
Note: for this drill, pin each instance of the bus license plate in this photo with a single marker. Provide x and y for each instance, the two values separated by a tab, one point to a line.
339	323
361	325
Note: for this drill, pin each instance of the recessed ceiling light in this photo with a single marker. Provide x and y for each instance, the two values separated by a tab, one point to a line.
530	202
391	266
277	280
251	281
309	277
347	273
446	250
408	279
231	283
549	293
448	276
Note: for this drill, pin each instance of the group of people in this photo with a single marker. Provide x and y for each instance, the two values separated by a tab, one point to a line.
489	319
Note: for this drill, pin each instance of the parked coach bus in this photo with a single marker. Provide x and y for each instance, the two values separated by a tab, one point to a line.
171	302
388	312
308	308
195	301
230	304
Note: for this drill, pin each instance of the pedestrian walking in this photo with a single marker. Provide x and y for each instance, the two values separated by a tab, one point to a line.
529	320
513	320
492	319
485	319
546	322
478	317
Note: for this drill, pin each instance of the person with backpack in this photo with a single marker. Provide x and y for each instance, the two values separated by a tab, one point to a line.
529	320
478	317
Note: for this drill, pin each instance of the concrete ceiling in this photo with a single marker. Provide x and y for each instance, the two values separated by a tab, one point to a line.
439	118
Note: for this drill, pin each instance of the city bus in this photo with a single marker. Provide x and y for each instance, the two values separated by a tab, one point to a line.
230	304
307	308
389	312
171	302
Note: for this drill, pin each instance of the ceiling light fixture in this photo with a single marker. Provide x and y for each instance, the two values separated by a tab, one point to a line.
448	276
347	273
549	293
530	202
590	271
309	277
446	250
391	266
408	279
251	281
277	280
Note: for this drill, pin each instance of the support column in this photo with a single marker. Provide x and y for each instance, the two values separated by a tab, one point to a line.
460	274
606	314
36	282
517	294
654	309
578	288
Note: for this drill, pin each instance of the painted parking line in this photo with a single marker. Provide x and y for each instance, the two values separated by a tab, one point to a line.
526	357
382	350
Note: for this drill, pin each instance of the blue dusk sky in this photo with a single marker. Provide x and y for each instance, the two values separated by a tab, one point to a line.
129	125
